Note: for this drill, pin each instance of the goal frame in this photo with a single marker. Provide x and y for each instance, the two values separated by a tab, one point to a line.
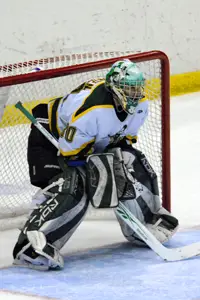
105	63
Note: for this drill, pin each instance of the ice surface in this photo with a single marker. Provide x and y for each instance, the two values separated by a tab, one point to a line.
7	295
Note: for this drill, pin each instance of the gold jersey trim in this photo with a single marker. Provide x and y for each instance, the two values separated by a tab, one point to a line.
78	150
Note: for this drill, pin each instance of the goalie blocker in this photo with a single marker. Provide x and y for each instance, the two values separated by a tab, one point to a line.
111	177
101	183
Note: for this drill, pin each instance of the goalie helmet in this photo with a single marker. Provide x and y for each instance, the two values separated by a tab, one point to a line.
126	82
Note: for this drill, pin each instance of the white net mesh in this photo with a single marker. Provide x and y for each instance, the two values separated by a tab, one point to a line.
15	187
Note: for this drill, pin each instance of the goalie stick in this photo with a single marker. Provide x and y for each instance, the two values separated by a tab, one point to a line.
37	124
168	254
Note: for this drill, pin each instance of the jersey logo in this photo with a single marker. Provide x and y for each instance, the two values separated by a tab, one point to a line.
118	136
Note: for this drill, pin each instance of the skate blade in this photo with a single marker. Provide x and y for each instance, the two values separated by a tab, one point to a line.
26	264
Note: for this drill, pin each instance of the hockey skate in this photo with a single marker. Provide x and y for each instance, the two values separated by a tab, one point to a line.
46	258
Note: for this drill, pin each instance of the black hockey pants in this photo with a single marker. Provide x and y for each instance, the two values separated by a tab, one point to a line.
41	155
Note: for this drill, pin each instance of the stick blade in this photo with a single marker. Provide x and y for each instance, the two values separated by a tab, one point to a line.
181	253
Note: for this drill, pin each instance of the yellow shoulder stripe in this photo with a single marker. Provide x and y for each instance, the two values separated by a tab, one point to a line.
143	99
74	117
90	109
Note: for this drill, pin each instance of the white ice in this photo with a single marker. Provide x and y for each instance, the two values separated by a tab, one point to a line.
185	159
98	247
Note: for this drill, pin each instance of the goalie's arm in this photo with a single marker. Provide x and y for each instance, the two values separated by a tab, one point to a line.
75	142
130	139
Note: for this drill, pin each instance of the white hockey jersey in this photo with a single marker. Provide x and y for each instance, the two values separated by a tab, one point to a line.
86	120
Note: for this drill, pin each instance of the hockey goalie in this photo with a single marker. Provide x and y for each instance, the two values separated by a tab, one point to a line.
96	126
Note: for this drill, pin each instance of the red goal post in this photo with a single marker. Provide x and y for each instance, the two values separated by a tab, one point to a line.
63	72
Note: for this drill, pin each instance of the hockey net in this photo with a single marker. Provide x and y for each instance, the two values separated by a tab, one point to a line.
60	75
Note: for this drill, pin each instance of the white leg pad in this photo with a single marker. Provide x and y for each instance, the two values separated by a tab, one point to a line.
40	245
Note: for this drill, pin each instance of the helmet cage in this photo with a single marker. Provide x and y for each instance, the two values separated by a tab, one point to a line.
127	86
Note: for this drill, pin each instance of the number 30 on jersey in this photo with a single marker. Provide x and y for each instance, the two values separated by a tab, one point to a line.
69	133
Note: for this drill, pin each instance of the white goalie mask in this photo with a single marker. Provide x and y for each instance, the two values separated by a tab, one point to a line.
127	83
